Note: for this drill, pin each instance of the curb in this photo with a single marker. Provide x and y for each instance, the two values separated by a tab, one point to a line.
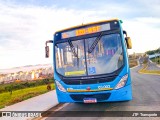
147	73
134	67
142	69
39	103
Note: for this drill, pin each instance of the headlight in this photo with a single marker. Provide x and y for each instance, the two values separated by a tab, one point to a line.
122	82
60	87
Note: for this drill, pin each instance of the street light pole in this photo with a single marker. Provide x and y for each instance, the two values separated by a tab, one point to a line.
155	56
158	55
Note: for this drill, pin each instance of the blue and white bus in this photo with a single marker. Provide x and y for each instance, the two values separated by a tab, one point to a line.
91	63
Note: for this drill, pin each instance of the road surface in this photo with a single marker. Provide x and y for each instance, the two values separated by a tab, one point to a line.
146	97
152	66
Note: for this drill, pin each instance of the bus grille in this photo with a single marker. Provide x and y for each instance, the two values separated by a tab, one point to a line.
99	97
88	81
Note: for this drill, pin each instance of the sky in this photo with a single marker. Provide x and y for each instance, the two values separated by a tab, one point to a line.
25	25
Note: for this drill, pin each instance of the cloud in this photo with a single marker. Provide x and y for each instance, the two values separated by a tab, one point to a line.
24	30
144	33
25	27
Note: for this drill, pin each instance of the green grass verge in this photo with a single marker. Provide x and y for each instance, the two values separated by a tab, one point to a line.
22	85
7	99
157	60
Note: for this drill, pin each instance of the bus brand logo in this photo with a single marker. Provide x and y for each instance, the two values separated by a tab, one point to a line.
104	86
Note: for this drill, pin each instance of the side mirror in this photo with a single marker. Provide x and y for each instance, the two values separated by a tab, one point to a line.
47	48
47	51
124	32
129	43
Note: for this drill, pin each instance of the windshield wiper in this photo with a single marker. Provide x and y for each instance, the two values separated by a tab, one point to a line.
94	43
72	48
74	51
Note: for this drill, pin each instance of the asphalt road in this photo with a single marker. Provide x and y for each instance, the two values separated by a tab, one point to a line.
146	97
152	66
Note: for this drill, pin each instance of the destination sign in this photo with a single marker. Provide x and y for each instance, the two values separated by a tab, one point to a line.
86	30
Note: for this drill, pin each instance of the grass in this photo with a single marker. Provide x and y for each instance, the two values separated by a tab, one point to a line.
7	99
157	60
21	85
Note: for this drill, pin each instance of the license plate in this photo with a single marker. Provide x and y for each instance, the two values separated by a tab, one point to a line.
90	100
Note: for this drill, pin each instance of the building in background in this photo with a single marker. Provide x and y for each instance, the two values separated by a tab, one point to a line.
34	74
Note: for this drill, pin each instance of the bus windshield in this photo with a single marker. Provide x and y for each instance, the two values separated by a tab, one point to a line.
106	56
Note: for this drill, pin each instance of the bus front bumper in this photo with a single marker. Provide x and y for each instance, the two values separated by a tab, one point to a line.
122	94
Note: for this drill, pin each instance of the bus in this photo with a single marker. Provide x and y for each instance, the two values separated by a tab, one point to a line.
91	63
